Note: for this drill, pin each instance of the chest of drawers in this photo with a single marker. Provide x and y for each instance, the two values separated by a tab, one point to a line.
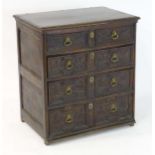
77	70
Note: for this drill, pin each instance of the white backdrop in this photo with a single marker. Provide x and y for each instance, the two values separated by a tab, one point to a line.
19	138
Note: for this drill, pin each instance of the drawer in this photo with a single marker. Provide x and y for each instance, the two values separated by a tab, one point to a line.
64	91
113	82
115	57
114	36
67	65
67	42
114	109
79	41
67	120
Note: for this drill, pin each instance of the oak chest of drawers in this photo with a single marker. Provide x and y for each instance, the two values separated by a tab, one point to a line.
77	70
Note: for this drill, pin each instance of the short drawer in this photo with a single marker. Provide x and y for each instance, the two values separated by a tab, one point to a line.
67	65
114	36
69	90
66	43
115	57
67	120
113	82
114	109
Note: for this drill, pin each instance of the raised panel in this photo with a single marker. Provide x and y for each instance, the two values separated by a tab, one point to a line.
31	51
67	65
67	42
70	90
114	110
114	57
114	36
67	120
113	82
32	100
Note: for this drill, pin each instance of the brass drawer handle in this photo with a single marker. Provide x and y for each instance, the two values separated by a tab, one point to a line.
69	64
69	118
113	108
114	35
68	90
68	41
92	35
114	58
114	82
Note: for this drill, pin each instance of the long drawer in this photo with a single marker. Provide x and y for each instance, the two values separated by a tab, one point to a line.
100	112
62	42
74	64
86	87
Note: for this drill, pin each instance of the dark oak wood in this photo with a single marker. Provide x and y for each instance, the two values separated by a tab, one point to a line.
72	17
77	70
67	65
113	109
114	58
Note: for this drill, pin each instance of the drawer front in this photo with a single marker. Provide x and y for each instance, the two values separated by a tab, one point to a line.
115	57
64	91
67	65
67	120
114	109
113	82
62	43
76	41
114	36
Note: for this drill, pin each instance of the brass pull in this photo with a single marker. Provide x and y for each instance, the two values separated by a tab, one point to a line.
69	118
114	58
114	82
69	64
114	35
92	35
92	55
67	41
68	90
113	108
91	79
90	106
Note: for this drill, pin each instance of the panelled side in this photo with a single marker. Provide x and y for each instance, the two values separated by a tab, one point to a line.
30	55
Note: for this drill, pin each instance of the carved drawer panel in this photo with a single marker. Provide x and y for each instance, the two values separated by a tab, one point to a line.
115	57
113	82
114	36
67	42
70	90
114	109
68	119
67	65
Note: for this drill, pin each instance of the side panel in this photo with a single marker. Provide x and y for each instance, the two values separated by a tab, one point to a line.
31	76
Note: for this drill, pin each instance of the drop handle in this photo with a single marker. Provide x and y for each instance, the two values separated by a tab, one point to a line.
67	41
69	118
68	90
114	82
69	64
113	108
114	35
114	58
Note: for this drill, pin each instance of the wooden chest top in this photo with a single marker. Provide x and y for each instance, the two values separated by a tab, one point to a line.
72	17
